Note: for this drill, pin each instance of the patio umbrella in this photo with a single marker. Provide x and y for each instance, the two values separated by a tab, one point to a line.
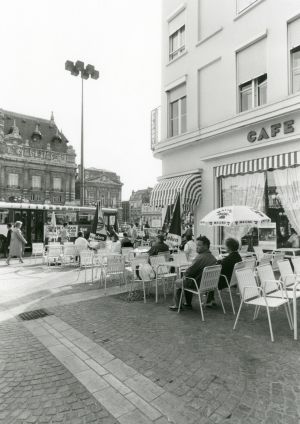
235	216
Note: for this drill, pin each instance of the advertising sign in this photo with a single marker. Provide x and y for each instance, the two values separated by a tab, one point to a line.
48	231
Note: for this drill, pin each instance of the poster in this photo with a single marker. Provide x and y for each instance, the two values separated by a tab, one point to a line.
49	233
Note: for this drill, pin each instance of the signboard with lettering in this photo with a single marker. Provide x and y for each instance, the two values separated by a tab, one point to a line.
265	133
48	231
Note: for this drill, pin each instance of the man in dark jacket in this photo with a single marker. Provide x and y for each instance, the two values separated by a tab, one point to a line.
7	241
126	242
159	246
202	260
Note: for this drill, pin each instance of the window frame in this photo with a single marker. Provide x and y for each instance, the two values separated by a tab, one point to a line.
292	69
35	178
13	176
255	85
55	180
174	54
179	117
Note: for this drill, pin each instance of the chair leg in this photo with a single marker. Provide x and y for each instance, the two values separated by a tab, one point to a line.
164	287
270	324
180	301
238	315
144	291
288	316
156	290
219	294
231	300
200	304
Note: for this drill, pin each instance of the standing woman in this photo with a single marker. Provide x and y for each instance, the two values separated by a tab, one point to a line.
17	243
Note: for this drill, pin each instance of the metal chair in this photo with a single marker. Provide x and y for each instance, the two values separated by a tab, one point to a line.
162	273
115	267
209	282
68	256
53	254
134	264
259	253
86	261
278	256
266	259
288	277
38	250
127	253
251	294
296	264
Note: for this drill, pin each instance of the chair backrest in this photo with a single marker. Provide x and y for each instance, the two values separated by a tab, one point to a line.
69	250
258	252
244	248
249	263
115	263
157	260
127	252
180	258
266	259
86	258
278	256
286	272
37	248
54	243
245	278
54	251
296	264
265	273
138	261
210	277
238	265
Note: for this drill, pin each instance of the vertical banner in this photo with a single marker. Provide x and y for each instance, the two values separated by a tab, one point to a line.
167	220
98	227
174	235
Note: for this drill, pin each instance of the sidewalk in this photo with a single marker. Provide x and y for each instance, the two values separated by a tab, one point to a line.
102	359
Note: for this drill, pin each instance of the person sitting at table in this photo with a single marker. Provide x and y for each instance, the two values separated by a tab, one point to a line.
204	258
81	244
190	248
116	244
293	241
158	246
233	257
126	241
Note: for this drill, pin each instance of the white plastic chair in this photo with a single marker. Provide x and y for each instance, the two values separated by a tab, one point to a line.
278	256
68	256
288	277
86	261
209	281
127	253
266	259
162	272
134	264
53	254
115	267
258	252
296	264
251	294
37	250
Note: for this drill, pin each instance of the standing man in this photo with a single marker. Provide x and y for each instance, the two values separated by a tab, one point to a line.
204	258
7	241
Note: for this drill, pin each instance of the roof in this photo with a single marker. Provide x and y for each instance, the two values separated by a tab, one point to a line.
27	125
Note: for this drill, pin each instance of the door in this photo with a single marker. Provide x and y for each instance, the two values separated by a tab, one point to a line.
36	226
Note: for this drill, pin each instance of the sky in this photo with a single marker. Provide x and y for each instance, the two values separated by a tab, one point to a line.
122	39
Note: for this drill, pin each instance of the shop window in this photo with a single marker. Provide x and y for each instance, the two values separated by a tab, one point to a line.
253	93
13	180
177	43
295	70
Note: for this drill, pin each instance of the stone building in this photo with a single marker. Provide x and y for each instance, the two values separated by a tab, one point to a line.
37	164
137	199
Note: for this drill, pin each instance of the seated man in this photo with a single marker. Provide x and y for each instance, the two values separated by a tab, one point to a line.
125	242
81	244
204	258
158	246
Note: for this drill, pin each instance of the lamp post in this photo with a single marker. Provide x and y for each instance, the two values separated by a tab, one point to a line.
85	72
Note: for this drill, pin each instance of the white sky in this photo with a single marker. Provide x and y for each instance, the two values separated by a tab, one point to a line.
122	39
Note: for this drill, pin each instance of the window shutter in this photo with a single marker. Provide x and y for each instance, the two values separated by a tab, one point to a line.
251	61
294	34
177	22
177	92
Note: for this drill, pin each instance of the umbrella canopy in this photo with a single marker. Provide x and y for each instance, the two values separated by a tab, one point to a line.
53	220
234	216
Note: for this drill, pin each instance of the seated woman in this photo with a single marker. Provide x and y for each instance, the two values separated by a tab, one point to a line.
233	257
116	244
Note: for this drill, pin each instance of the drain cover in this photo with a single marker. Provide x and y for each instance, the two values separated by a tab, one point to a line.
38	313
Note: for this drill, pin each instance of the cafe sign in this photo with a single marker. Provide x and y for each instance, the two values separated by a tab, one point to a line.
266	133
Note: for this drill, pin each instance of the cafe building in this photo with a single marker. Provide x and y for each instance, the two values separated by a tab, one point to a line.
230	110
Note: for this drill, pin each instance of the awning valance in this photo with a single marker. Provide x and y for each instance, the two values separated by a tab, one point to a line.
166	190
284	160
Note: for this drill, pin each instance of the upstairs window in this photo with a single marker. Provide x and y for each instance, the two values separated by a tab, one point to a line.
177	43
36	181
177	111
13	180
57	183
253	93
252	76
294	51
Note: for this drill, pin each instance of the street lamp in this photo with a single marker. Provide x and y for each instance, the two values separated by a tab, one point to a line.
85	72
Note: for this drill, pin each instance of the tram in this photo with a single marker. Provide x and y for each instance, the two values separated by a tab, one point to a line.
37	218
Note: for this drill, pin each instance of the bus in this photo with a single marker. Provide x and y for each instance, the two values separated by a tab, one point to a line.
36	219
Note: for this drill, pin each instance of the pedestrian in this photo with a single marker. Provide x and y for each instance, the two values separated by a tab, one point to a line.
17	243
7	241
64	233
203	259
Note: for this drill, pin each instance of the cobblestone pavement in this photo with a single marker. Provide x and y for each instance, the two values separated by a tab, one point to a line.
177	368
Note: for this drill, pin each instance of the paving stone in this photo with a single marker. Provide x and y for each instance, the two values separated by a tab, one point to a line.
135	417
114	382
115	403
145	407
145	387
119	369
97	367
91	380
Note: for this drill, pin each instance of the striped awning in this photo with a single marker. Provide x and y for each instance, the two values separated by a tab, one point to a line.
284	160
166	190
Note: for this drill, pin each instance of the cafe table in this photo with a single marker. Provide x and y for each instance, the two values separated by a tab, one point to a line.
289	251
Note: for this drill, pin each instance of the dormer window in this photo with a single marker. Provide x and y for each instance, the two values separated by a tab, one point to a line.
57	137
36	135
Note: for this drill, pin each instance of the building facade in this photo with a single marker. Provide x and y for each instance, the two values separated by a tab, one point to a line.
125	212
37	164
136	201
151	215
230	116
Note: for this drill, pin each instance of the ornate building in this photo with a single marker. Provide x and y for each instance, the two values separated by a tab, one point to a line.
36	163
101	185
